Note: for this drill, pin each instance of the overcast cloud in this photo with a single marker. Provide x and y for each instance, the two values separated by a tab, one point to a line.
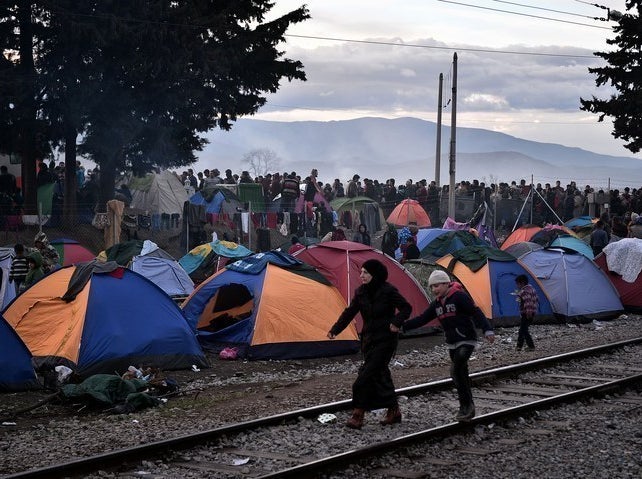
531	96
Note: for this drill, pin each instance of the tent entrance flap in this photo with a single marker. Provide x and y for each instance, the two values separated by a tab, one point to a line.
230	304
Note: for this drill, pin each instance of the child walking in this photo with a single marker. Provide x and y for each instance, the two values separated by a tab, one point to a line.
528	304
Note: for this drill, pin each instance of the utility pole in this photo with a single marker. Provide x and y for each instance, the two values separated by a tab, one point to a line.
453	141
438	140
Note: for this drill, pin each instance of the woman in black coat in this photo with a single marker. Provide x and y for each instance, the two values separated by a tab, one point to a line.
380	305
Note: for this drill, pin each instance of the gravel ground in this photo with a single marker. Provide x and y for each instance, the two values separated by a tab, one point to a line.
231	391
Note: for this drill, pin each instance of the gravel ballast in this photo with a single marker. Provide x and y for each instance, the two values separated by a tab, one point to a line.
232	391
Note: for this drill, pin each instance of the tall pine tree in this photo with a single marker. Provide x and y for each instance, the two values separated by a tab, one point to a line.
624	73
141	80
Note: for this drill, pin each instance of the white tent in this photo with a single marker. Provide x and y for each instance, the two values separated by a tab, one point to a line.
158	193
7	290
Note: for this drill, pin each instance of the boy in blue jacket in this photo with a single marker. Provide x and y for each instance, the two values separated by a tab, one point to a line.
458	315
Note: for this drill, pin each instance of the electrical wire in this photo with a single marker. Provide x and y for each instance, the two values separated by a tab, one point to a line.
344	40
544	9
525	14
434	47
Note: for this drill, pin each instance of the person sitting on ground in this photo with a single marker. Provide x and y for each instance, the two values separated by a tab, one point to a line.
296	245
411	251
362	236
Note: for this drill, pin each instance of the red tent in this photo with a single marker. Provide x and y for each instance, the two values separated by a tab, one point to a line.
340	262
409	212
626	251
71	252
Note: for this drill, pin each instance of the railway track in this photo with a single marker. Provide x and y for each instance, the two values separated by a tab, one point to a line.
296	444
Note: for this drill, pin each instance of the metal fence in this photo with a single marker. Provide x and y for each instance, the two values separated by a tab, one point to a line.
177	235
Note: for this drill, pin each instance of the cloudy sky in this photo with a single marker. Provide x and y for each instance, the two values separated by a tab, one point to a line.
519	73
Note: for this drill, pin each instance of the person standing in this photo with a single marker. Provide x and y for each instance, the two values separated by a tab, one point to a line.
36	273
311	189
19	267
383	310
528	304
599	238
390	241
290	192
8	183
50	259
458	315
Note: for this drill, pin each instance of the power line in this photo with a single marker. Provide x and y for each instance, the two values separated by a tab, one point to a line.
435	47
334	39
526	15
545	9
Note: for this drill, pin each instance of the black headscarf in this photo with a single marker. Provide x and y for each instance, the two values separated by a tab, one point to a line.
378	271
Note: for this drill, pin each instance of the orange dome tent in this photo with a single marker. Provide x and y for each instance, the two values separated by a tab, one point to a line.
409	212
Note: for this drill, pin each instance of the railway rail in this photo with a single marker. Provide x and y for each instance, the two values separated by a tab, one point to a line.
277	449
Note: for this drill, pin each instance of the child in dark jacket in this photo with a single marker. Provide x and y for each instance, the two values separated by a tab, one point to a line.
19	267
458	315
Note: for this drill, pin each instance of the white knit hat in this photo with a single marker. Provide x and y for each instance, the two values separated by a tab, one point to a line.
438	276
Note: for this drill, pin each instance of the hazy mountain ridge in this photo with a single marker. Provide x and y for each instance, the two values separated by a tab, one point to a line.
405	148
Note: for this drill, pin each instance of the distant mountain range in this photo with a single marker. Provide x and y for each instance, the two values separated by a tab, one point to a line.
404	148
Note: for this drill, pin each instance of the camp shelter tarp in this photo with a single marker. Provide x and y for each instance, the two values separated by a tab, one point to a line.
581	222
550	233
578	289
477	225
166	273
71	251
424	236
252	195
206	259
622	263
113	318
217	200
409	212
123	253
16	370
270	306
7	290
488	274
340	262
449	242
523	247
158	193
154	263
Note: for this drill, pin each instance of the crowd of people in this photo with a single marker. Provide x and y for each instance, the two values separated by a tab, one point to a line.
551	203
87	187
